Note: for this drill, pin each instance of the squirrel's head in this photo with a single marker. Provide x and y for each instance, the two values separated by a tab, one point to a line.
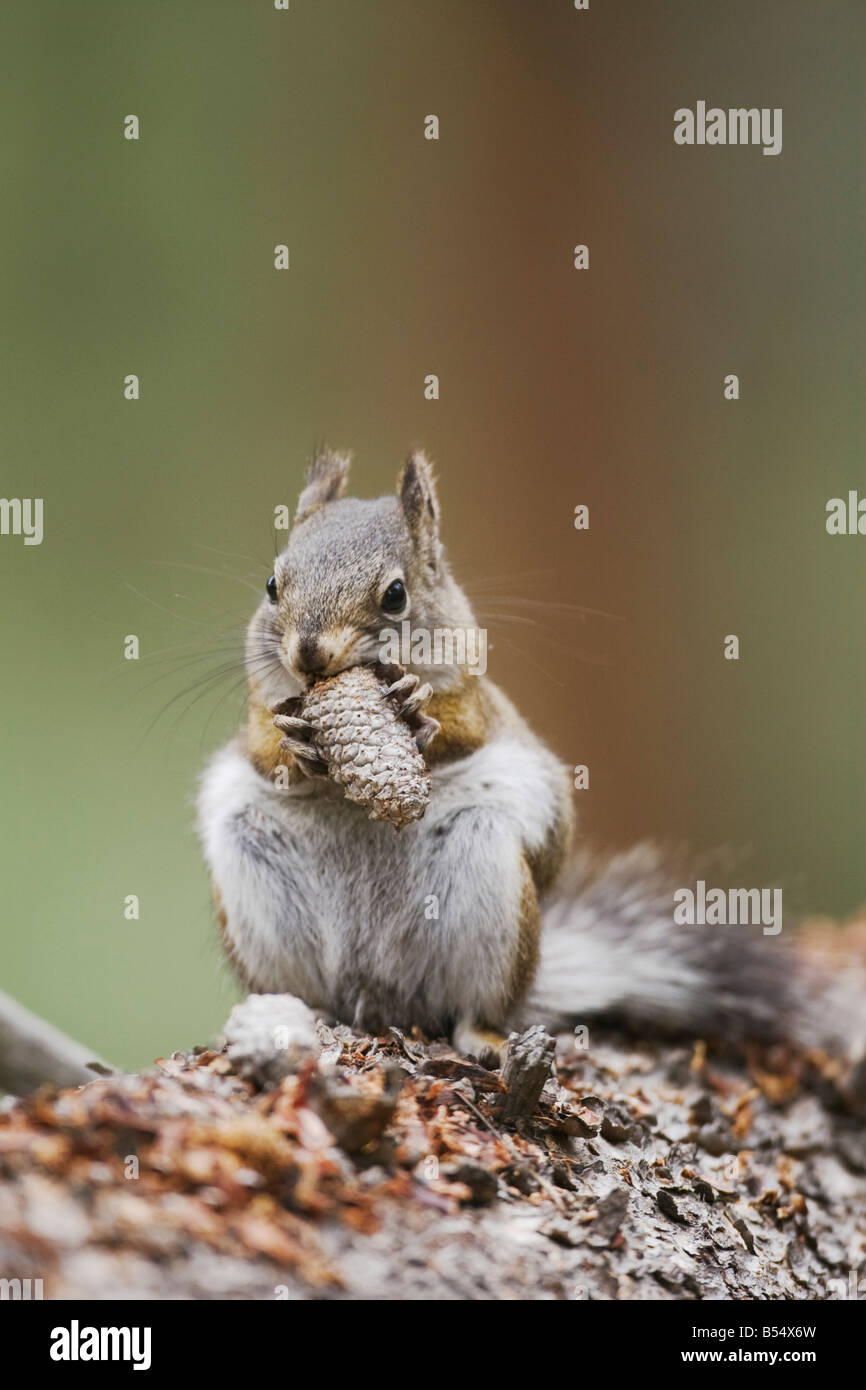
351	571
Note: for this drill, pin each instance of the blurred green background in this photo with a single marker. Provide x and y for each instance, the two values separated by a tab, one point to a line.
558	387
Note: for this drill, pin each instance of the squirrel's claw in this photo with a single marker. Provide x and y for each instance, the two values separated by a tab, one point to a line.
425	729
417	695
308	758
289	705
403	686
417	701
291	724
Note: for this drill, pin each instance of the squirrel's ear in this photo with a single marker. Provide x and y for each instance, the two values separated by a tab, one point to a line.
326	480
417	492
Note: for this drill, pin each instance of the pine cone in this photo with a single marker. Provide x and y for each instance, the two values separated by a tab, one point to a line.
364	741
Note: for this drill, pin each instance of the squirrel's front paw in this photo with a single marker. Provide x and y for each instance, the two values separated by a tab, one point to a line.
411	695
412	698
298	733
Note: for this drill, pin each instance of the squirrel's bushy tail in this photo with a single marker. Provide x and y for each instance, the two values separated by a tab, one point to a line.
610	948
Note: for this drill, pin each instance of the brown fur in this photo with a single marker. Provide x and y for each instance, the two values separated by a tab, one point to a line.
465	720
525	962
546	862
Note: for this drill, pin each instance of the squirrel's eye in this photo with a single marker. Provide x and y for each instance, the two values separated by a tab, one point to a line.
271	587
394	598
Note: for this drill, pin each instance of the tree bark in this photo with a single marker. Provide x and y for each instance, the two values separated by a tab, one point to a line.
359	1167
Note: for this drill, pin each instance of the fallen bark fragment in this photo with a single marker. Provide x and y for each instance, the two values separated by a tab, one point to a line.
525	1071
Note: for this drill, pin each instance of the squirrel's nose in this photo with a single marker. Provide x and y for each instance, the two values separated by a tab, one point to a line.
310	658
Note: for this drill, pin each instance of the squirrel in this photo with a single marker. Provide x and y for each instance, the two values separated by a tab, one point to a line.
314	899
